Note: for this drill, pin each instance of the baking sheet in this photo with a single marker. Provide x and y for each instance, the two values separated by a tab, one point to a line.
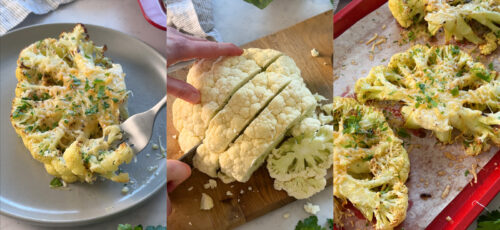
433	166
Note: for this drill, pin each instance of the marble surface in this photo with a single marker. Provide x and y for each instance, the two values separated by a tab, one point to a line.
125	16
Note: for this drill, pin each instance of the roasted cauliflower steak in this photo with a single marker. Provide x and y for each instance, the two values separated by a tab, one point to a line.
370	163
441	88
69	102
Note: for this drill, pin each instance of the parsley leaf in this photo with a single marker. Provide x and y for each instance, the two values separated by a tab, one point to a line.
92	110
310	223
56	183
100	93
261	4
455	50
368	158
454	91
490	66
484	76
330	223
466	173
490	220
403	133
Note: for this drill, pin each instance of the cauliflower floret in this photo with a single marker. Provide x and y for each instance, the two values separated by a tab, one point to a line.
465	97
490	45
370	163
206	202
301	187
407	12
307	155
311	208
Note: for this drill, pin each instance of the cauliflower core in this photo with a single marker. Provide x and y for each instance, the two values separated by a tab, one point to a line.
248	105
442	88
68	106
370	163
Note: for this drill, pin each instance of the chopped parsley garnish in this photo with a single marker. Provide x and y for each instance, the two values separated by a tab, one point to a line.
368	158
411	36
115	100
484	76
87	86
455	50
454	91
56	183
87	56
139	227
105	105
100	93
490	66
403	133
97	81
91	110
106	74
309	223
20	110
422	87
466	173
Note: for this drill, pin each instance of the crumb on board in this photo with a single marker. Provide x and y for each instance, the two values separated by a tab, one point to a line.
190	223
314	52
311	208
242	191
206	202
229	193
441	173
190	188
249	188
211	184
384	26
125	190
445	192
155	146
286	215
354	62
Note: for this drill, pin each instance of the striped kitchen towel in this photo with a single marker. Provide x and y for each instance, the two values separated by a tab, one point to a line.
13	12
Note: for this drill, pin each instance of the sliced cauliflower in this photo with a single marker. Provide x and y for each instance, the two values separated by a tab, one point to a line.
370	163
217	80
442	88
243	106
301	187
266	131
407	12
307	155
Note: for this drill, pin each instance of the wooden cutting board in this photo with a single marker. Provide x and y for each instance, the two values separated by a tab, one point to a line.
256	197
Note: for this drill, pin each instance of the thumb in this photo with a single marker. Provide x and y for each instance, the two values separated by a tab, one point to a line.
183	90
177	172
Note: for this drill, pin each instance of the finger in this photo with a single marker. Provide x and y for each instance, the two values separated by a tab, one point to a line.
183	90
177	172
205	49
169	206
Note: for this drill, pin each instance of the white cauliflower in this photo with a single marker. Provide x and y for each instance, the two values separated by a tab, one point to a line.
301	187
307	155
268	129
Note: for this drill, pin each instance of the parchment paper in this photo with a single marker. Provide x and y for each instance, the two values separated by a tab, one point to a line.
433	166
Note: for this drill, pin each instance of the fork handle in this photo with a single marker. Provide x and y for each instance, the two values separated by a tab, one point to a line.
159	105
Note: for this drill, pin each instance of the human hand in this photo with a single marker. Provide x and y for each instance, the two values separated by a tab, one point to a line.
177	172
182	47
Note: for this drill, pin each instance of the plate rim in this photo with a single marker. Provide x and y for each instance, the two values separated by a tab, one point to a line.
135	203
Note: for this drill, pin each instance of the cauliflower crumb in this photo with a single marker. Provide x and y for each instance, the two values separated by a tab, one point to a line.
249	188
155	147
135	159
210	184
152	168
206	202
314	52
286	215
490	45
174	136
125	190
190	188
241	192
148	155
229	193
311	208
190	223
445	192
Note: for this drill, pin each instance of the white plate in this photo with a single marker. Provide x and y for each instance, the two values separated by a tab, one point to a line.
24	183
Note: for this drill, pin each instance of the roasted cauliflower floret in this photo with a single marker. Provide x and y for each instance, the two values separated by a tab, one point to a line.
442	88
68	106
407	12
370	163
490	45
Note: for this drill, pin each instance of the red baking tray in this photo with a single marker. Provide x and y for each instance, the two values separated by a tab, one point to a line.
469	203
154	12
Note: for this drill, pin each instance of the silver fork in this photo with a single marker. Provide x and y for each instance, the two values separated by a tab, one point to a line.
139	127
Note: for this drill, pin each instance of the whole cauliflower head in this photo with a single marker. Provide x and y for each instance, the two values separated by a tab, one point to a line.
370	163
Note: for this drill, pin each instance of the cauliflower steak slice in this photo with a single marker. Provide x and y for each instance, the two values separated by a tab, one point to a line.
300	164
370	163
243	106
69	102
217	80
250	149
442	88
